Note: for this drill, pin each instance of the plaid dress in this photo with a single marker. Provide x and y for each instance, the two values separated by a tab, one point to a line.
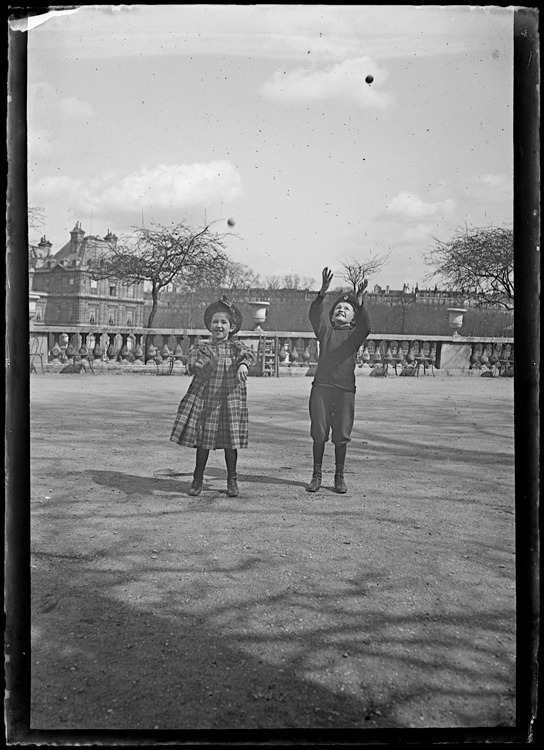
213	413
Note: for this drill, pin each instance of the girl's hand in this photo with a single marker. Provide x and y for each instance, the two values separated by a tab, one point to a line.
361	290
326	277
242	373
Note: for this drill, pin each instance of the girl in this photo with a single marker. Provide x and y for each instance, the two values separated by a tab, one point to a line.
213	413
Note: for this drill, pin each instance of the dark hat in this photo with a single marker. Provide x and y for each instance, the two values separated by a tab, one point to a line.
347	297
223	305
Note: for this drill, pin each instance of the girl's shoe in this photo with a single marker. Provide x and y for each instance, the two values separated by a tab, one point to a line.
232	487
196	488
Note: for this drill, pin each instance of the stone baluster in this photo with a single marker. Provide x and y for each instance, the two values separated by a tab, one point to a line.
377	355
55	352
124	353
63	343
178	351
70	350
111	351
138	351
83	351
165	350
283	354
508	360
398	357
494	357
97	351
484	358
294	355
475	356
410	356
179	357
305	354
365	357
151	354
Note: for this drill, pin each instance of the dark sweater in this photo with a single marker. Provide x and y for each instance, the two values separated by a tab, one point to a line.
338	347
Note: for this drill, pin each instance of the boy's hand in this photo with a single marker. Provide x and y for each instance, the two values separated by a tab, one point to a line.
242	373
361	290
326	281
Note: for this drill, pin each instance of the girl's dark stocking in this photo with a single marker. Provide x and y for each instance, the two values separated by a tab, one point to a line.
231	458
201	461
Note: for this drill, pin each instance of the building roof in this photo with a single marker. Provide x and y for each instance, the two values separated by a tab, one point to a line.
82	249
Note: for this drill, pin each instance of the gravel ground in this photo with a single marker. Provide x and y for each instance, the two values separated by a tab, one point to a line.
392	606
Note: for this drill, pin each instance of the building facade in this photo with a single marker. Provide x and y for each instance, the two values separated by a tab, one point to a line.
68	293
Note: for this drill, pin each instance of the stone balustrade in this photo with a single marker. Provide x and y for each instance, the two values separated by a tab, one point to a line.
164	351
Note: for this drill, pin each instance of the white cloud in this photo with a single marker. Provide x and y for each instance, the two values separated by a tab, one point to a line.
175	186
160	187
345	80
495	188
410	206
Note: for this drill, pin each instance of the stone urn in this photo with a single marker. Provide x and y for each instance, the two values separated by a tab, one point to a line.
456	318
258	310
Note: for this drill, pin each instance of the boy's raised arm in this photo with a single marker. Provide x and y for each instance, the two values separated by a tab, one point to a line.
362	326
316	308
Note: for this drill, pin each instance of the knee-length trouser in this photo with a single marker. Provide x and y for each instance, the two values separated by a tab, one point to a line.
331	408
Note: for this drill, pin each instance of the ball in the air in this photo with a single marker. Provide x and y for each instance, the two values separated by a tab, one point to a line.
369	79
231	222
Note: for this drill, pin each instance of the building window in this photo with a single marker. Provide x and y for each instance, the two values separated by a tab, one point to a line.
94	286
111	316
58	284
130	290
113	290
59	312
130	316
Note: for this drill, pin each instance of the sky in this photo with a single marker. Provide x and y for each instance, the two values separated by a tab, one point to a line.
197	113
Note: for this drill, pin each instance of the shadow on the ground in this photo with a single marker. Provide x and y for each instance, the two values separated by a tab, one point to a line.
132	484
158	664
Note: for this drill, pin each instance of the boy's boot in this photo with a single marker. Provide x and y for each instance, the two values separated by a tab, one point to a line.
315	484
339	484
232	485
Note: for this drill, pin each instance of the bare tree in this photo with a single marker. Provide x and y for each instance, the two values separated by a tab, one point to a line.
36	218
238	280
307	282
405	300
273	282
479	262
165	255
354	271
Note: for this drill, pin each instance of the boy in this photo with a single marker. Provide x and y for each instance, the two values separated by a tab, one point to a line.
332	399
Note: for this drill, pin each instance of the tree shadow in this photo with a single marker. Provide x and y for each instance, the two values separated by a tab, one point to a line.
168	663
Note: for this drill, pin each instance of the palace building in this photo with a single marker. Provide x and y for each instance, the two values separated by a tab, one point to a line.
68	293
